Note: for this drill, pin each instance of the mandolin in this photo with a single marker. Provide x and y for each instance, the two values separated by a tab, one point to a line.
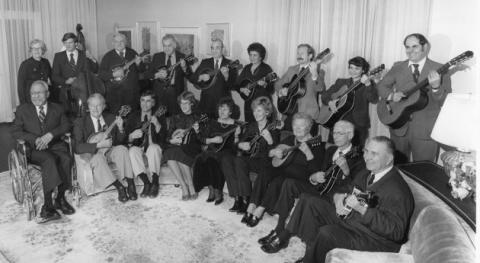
124	68
251	85
214	74
146	125
287	151
254	142
296	87
190	59
216	147
185	134
344	100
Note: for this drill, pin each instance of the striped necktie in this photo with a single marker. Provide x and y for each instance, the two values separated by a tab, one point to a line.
41	114
72	62
415	73
371	178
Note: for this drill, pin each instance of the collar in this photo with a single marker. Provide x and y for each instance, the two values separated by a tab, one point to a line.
102	121
420	63
219	61
124	52
75	53
45	106
344	151
381	174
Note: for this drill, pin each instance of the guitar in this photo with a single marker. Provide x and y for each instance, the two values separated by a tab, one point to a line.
366	199
251	85
396	114
296	87
190	59
333	172
185	134
254	144
287	151
124	68
145	127
344	100
216	147
203	85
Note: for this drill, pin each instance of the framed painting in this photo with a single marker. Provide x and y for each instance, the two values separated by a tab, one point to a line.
147	36
186	37
130	34
219	31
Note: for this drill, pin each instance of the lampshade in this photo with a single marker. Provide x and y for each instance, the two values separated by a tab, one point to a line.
457	124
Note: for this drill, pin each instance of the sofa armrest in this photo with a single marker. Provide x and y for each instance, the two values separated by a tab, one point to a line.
341	255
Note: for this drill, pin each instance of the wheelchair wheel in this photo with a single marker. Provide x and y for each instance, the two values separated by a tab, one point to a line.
17	169
77	195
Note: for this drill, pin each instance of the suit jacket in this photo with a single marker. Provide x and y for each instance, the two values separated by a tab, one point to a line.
62	70
134	121
210	97
307	103
83	127
359	115
167	94
27	126
400	78
31	70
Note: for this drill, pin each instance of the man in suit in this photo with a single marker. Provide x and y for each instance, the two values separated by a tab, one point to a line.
343	154
67	65
125	91
414	137
344	221
225	79
314	82
167	90
41	124
147	143
108	150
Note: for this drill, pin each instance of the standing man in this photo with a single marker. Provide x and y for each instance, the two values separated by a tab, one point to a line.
314	82
167	90
414	137
67	65
41	124
224	81
122	85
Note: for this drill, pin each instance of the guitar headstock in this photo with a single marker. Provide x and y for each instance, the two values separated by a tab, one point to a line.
276	124
322	56
461	58
203	118
124	110
190	59
235	65
377	70
272	76
160	111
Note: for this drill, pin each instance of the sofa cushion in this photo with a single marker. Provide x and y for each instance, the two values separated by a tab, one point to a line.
341	255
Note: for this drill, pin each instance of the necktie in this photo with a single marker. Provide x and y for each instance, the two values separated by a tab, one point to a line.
72	62
146	138
99	126
370	180
41	114
216	65
416	73
122	54
169	61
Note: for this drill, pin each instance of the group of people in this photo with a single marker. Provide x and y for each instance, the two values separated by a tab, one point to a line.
344	200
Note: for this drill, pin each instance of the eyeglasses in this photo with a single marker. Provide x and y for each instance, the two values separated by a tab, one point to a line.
38	93
340	133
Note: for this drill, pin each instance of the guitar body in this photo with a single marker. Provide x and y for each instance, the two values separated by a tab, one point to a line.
124	73
249	84
288	104
397	114
332	180
344	105
277	162
203	85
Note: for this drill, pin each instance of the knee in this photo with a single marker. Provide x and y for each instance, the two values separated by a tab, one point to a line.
154	148
120	150
134	151
289	184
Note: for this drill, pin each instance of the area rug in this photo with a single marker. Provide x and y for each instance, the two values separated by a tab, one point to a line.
164	229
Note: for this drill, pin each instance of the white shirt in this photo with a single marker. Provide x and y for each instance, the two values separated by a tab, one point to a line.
75	55
219	62
95	123
420	63
173	60
381	174
44	109
124	51
344	151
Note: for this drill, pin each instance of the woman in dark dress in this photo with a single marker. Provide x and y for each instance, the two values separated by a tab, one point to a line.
254	71
302	163
184	144
264	128
34	68
210	166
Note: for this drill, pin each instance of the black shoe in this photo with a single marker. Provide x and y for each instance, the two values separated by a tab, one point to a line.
246	218
154	190
48	214
219	200
268	238
122	194
235	206
253	222
211	195
274	246
218	196
64	206
210	199
131	190
242	209
146	190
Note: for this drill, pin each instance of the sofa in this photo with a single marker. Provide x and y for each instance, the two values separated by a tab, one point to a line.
437	234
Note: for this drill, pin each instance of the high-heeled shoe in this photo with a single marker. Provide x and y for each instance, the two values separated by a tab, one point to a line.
211	195
235	206
268	238
246	218
218	196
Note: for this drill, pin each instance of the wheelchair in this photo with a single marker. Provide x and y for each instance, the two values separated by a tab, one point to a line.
27	178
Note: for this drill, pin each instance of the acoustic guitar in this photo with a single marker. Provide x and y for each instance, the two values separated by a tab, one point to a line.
334	171
251	85
214	74
145	127
190	59
185	134
396	114
254	142
288	149
216	147
124	68
296	87
344	100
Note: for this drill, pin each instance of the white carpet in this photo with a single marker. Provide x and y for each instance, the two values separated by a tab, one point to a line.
164	229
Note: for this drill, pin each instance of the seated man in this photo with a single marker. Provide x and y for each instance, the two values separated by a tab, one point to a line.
348	161
41	124
343	221
99	154
147	133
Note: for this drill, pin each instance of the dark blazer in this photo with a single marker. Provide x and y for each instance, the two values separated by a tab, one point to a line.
83	127
165	93
363	96
210	97
62	69
26	125
251	130
400	78
31	70
134	122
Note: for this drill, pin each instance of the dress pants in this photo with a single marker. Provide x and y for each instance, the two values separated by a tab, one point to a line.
154	157
55	163
102	175
420	149
261	166
238	182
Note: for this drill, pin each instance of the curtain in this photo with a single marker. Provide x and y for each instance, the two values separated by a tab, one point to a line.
23	20
373	29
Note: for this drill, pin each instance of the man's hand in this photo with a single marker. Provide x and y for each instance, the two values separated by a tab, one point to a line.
204	77
245	91
119	122
313	69
283	92
397	96
317	178
42	142
342	163
245	146
161	74
118	73
434	79
339	207
224	71
106	143
69	81
333	105
156	123
277	153
365	80
138	60
216	139
262	83
135	135
353	202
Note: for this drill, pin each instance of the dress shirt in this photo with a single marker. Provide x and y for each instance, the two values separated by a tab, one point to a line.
75	55
95	123
344	151
44	109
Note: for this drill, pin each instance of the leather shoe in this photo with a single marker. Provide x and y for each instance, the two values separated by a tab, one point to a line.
122	194
146	190
219	200
246	218
274	246
132	191
242	209
253	222
63	206
210	199
235	206
268	238
48	214
154	190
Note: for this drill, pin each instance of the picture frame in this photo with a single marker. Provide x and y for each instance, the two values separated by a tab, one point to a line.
147	36
187	38
130	34
219	31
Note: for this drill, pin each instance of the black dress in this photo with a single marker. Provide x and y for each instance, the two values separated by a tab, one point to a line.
31	70
208	166
184	153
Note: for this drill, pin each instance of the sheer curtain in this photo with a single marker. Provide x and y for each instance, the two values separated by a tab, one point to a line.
23	20
373	29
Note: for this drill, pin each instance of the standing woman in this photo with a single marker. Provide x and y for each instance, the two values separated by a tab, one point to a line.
34	68
210	166
184	144
254	71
